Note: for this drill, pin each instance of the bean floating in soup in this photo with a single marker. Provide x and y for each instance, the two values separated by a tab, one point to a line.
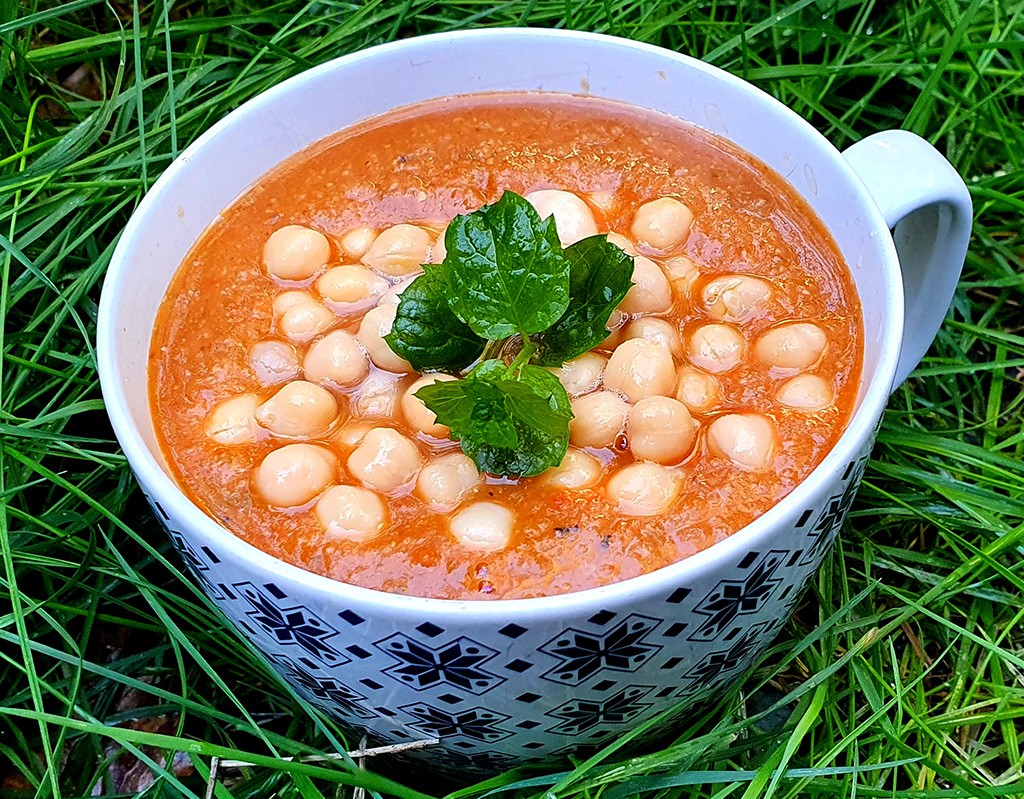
283	372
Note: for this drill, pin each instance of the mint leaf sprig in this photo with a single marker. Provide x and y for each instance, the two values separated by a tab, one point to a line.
506	275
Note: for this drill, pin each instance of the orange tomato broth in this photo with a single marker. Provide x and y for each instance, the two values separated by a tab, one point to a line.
425	164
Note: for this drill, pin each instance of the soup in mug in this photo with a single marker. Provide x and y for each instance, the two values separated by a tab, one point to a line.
730	369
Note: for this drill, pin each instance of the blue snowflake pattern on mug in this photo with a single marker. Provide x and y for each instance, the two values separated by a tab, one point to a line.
290	625
583	654
457	663
717	667
477	723
827	526
732	598
197	565
582	715
335	696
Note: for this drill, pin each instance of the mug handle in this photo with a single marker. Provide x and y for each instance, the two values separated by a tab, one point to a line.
926	204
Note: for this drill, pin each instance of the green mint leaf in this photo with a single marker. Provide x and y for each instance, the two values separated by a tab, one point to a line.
506	269
540	413
539	398
513	425
426	332
600	274
474	408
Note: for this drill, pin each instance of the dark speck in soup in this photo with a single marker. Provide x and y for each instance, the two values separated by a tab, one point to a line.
759	427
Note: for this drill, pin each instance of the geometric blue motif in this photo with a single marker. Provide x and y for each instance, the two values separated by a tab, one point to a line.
188	554
477	723
327	689
456	663
583	654
197	566
732	598
291	625
831	518
718	667
580	715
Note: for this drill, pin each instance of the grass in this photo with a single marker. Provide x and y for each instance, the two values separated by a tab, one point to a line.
902	673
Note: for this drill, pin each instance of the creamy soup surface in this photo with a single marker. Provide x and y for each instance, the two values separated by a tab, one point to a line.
730	370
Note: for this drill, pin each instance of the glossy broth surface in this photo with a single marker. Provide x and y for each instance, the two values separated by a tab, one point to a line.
424	165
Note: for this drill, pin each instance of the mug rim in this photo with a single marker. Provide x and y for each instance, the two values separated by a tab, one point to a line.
164	490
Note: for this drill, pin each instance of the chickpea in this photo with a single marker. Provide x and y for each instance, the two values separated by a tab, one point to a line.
654	329
747	439
351	514
791	347
644	489
623	244
274	361
231	422
295	252
736	298
582	374
300	318
439	251
716	347
299	410
662	224
336	359
375	325
295	473
599	418
393	295
352	434
805	393
650	292
376	397
639	368
660	429
486	526
350	289
616	330
287	300
697	390
399	250
385	460
357	241
443	482
578	470
573	217
418	415
681	272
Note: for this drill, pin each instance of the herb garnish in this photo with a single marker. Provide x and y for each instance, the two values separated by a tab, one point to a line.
506	275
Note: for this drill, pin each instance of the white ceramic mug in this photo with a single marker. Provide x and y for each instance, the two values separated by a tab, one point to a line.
503	681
